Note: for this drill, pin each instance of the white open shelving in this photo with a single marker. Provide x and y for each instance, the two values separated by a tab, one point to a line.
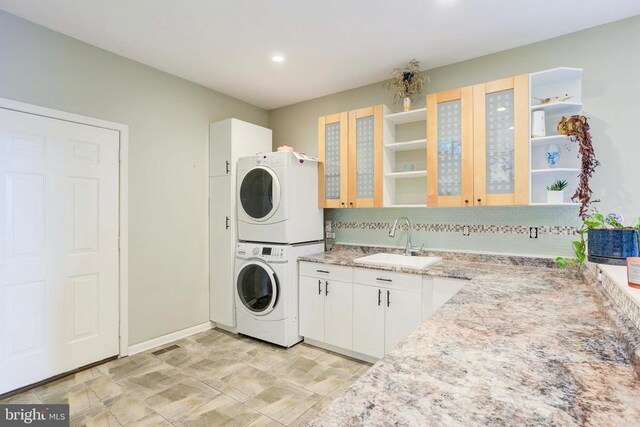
552	83
405	162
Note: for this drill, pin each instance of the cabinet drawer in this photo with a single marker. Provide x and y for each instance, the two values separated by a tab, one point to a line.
388	279
326	271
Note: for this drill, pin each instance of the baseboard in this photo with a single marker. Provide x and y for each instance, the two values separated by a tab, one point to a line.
166	339
340	350
232	329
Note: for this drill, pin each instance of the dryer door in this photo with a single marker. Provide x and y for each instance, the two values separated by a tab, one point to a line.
260	193
257	287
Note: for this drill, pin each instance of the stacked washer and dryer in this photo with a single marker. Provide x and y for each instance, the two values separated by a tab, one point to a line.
278	221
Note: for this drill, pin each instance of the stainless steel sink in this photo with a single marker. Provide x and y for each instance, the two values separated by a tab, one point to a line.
397	260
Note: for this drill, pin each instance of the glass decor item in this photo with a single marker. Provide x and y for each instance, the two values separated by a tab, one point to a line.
406	103
538	128
553	155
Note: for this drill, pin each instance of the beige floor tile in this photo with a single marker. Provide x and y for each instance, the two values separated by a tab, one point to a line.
128	409
79	398
221	411
104	387
245	383
284	402
341	362
22	398
97	416
144	385
182	356
302	419
308	351
152	420
267	357
211	369
299	370
329	380
185	395
265	421
130	366
66	383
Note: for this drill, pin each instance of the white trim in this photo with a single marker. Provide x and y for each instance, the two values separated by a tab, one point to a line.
22	107
166	339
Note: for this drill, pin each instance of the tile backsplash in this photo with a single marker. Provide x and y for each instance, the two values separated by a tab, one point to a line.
487	229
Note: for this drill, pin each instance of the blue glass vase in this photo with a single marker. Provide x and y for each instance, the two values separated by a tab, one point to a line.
553	155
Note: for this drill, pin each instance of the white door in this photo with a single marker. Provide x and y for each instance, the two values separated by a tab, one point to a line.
312	308
368	320
221	252
338	314
58	247
403	315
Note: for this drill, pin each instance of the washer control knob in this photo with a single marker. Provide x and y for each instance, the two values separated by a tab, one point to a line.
256	251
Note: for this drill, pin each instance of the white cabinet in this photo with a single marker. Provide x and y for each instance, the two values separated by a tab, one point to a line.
326	310
228	141
364	311
368	321
403	315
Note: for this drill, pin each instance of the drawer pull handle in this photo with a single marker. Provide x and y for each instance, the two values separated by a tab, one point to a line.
322	271
388	298
382	279
319	287
326	288
379	297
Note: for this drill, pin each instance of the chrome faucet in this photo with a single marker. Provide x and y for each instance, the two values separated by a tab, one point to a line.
392	233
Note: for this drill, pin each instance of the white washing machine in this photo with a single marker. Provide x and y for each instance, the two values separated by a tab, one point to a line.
267	290
278	198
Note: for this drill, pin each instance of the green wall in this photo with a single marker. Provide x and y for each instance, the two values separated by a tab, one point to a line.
168	120
610	57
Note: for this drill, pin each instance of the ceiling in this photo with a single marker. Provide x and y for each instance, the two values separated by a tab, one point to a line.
329	45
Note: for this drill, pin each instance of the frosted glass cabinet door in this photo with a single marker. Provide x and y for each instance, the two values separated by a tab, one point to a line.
365	157
501	138
333	153
449	148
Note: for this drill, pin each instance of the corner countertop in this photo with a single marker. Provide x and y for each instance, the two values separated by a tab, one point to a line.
520	344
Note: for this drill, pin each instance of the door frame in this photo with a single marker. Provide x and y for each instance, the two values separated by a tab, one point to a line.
123	190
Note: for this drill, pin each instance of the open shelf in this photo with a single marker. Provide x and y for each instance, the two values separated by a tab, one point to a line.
409	174
549	139
403	117
555	170
418	144
555	76
567	107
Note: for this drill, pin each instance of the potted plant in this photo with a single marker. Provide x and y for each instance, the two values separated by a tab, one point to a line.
407	82
609	241
555	192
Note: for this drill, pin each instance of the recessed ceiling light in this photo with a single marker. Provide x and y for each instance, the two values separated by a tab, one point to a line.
277	58
501	109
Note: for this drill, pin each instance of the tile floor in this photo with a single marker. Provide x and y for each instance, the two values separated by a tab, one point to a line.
212	379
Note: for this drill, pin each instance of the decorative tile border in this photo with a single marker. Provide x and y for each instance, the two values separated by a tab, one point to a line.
458	228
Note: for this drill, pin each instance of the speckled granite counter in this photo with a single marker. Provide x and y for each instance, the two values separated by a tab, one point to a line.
519	345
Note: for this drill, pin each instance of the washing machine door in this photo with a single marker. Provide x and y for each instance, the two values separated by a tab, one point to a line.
260	193
257	287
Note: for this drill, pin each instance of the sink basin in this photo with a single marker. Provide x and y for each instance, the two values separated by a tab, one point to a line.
398	260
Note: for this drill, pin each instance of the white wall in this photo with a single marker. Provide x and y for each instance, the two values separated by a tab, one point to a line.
610	57
168	120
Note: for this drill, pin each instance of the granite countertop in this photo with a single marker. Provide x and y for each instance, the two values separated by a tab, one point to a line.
520	344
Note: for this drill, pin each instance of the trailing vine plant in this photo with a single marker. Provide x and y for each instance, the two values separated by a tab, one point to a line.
577	129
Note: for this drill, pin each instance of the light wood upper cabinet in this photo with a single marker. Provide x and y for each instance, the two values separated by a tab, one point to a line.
333	151
350	152
477	144
501	138
450	148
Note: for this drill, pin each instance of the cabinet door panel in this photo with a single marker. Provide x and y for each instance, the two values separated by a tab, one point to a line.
221	251
365	157
368	320
333	169
501	152
450	148
403	315
338	314
312	308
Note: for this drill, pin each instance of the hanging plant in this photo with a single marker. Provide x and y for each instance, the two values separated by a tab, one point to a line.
577	129
407	81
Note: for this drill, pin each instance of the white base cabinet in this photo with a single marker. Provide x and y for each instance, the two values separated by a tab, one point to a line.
366	311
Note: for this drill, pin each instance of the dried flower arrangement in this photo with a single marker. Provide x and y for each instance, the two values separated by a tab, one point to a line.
577	128
407	81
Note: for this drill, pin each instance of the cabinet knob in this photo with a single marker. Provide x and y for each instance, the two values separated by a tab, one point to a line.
479	200
350	203
342	203
466	201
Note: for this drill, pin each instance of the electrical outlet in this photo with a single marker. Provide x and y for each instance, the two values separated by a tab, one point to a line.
465	230
533	232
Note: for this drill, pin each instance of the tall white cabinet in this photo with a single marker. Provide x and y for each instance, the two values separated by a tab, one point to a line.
228	141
